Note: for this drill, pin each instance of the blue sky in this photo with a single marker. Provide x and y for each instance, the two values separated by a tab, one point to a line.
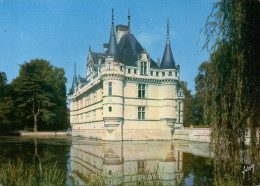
61	31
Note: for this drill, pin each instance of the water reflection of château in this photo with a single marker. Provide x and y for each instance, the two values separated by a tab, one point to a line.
122	162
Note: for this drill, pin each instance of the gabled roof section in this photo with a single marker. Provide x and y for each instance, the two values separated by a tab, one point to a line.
129	49
167	60
82	81
96	56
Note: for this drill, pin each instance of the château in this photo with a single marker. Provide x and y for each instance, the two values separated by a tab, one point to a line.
126	95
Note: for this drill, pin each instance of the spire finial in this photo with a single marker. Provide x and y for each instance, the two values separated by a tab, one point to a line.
112	28
129	18
168	37
75	74
112	17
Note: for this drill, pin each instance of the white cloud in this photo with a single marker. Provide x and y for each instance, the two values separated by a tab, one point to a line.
149	39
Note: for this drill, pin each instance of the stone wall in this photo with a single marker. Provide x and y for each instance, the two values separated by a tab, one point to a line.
195	135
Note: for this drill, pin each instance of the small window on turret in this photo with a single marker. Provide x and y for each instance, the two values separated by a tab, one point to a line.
151	73
157	73
129	71
176	74
110	88
170	73
163	74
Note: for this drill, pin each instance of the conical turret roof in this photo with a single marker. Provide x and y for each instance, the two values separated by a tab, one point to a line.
112	46
74	82
167	60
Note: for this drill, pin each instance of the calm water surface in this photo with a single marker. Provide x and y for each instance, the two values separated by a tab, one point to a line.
173	162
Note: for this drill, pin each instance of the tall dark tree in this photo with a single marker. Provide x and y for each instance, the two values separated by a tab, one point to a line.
41	93
232	89
5	102
7	107
199	97
3	80
188	104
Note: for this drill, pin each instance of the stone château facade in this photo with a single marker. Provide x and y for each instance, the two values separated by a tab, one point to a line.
126	95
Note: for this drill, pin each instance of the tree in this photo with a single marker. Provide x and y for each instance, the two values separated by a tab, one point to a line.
41	93
232	88
3	80
188	103
199	97
7	108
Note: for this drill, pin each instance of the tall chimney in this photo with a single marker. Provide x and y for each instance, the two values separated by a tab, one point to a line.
120	31
105	46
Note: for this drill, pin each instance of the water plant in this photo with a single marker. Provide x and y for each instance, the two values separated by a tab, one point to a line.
20	173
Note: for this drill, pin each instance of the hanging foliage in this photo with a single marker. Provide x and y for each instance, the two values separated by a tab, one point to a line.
232	89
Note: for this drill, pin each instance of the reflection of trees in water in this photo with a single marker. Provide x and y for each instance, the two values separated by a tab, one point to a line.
200	168
33	150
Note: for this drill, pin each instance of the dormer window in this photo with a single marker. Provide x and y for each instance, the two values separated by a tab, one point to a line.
129	71
121	68
170	73
151	73
143	68
163	74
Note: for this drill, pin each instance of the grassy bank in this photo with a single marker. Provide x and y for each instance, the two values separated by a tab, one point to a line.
18	173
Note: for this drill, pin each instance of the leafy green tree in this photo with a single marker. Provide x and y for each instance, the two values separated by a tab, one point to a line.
188	104
41	94
3	80
232	88
199	97
6	104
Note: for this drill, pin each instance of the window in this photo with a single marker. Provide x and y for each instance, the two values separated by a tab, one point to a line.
95	97
143	68
141	90
176	74
110	88
157	73
88	99
110	109
163	74
170	73
151	73
135	71
121	68
141	113
129	71
179	112
109	66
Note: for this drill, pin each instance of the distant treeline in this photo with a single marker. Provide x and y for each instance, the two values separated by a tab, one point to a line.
36	99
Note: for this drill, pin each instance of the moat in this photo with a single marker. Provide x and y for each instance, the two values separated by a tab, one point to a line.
118	163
